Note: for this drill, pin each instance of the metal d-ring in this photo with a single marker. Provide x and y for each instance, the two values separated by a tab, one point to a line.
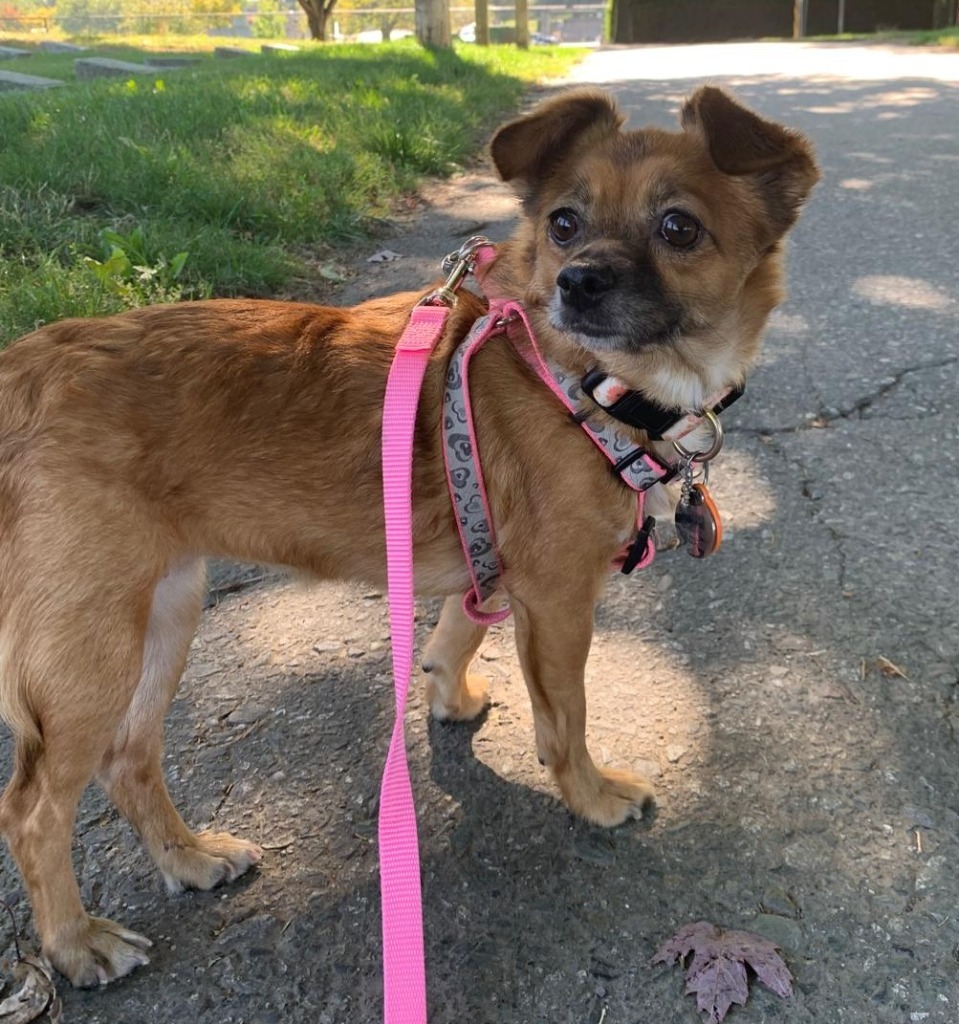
714	449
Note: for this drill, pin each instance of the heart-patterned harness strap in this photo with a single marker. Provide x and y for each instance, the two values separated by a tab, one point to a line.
634	465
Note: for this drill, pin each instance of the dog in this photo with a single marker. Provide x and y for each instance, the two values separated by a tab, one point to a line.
133	447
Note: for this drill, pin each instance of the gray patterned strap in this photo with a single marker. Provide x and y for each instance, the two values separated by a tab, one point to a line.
637	467
463	473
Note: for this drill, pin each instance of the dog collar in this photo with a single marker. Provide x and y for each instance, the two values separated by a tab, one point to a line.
633	408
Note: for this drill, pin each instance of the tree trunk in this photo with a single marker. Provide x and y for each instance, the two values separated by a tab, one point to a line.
433	23
522	24
317	15
482	22
799	19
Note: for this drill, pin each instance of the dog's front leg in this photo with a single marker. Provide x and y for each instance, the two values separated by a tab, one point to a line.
453	693
553	635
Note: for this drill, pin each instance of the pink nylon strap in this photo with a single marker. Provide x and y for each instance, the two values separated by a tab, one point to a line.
404	969
515	314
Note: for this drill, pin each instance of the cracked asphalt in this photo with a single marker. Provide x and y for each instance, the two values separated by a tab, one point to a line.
796	698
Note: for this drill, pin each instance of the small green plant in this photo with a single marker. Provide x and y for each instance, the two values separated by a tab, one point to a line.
129	271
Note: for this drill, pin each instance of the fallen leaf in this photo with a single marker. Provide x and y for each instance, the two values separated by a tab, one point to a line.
384	256
36	999
331	272
717	972
887	668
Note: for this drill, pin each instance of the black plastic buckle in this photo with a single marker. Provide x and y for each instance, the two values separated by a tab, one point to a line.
639	547
637	411
668	472
632	409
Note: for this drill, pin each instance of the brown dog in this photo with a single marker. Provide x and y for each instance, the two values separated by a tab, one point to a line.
132	447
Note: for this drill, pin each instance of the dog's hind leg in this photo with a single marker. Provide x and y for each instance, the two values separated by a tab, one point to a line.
453	693
131	770
75	661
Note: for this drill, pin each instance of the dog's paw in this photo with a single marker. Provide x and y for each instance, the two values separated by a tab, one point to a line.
465	704
606	796
212	859
101	952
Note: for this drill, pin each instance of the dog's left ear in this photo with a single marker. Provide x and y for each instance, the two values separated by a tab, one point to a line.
528	150
742	143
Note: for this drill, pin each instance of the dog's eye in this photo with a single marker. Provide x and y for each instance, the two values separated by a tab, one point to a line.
563	226
680	229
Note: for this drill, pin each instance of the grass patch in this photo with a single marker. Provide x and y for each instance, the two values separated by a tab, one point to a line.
937	37
948	37
211	180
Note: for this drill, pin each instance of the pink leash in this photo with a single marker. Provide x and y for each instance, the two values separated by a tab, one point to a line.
404	970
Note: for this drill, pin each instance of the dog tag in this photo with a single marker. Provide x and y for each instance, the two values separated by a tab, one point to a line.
697	522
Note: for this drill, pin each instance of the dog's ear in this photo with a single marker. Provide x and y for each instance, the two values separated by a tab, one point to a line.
528	150
744	144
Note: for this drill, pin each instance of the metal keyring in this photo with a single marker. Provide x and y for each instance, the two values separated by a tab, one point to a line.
710	453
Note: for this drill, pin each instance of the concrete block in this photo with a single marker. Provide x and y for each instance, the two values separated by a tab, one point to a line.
173	61
51	46
231	51
9	52
105	67
13	80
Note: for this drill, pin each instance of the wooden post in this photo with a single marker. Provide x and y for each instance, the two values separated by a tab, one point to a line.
841	27
482	22
522	24
433	23
799	19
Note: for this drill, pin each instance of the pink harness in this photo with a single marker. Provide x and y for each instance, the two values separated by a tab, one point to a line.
404	974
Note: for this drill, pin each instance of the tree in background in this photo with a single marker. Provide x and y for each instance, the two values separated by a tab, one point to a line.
433	23
386	18
317	15
141	15
89	15
179	16
432	20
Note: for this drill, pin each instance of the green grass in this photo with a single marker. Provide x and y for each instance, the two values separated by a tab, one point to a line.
937	37
933	37
219	180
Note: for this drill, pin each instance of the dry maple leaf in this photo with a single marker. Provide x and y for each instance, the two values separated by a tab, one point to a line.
36	999
717	971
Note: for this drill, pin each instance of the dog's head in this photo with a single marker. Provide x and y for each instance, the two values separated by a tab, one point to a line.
655	254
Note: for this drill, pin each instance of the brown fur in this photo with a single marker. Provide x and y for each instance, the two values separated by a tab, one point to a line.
132	447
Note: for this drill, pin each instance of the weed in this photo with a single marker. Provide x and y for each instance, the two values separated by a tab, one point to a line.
129	271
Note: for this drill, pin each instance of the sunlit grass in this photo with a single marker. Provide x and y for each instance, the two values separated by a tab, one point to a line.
242	164
937	37
933	37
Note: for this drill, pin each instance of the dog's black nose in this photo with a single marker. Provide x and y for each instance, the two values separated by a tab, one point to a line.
582	285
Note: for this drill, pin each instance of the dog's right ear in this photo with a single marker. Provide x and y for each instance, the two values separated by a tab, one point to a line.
528	150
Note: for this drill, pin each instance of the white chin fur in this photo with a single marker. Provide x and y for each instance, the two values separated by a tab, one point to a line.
677	389
673	386
679	386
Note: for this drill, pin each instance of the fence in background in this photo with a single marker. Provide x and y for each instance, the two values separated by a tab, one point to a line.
570	22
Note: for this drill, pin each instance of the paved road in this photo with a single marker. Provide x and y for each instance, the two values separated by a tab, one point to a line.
797	697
